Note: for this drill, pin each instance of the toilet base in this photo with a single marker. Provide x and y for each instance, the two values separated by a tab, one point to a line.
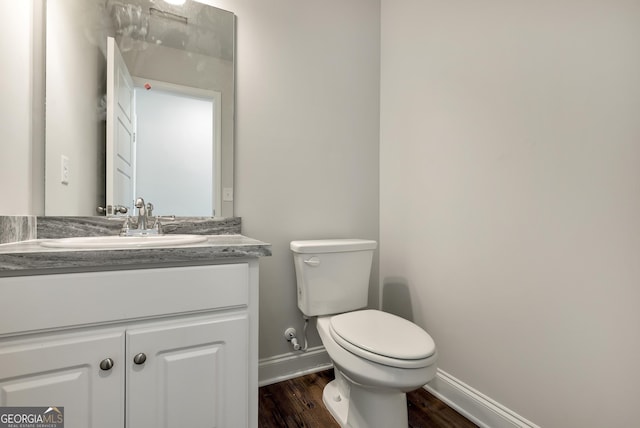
355	406
337	405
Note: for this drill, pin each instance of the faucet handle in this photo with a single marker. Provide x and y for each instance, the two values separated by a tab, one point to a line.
149	209
157	226
112	209
124	230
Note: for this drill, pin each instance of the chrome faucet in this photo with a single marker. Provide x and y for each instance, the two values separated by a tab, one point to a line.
142	214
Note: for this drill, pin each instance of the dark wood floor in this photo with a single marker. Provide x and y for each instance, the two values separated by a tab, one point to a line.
297	403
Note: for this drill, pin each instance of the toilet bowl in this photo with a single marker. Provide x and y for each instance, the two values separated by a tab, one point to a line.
369	389
377	356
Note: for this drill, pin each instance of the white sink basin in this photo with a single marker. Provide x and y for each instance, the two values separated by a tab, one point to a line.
147	241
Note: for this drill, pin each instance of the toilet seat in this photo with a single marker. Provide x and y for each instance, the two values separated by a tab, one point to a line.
383	338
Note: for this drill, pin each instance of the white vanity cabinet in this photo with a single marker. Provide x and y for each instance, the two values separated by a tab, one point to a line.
146	348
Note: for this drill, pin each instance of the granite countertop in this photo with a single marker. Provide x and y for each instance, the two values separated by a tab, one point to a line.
30	258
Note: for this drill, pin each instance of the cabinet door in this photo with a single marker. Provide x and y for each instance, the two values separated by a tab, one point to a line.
63	370
195	374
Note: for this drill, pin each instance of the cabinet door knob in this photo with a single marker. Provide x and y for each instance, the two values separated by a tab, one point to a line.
106	364
140	358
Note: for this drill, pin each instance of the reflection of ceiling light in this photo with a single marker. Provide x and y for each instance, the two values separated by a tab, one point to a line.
175	2
168	15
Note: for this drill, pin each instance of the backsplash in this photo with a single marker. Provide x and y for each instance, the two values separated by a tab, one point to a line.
23	228
17	228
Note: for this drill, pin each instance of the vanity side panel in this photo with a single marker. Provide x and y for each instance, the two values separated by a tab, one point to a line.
254	315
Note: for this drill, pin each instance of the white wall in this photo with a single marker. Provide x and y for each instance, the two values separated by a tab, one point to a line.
19	89
510	198
307	136
74	124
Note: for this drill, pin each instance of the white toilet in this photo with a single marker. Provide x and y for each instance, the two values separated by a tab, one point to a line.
377	356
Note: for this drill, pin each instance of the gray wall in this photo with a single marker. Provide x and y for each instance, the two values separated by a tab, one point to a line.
307	137
510	198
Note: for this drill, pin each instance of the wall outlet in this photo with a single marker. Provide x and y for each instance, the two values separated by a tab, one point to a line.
64	169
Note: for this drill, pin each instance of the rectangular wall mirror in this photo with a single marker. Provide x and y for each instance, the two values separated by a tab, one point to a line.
139	102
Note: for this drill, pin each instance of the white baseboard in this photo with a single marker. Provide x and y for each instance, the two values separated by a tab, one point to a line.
291	365
475	406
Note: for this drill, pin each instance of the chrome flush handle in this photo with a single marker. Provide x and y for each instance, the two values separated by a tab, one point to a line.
313	261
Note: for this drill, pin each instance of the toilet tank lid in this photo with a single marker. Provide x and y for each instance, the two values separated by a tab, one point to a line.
332	245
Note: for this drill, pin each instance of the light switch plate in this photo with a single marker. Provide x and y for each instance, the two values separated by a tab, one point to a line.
227	194
64	169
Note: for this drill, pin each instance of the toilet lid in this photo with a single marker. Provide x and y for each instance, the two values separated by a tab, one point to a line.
383	334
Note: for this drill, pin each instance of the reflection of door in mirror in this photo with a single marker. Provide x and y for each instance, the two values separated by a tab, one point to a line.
177	148
120	132
162	143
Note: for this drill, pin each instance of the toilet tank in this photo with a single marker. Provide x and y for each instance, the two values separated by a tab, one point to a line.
332	274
